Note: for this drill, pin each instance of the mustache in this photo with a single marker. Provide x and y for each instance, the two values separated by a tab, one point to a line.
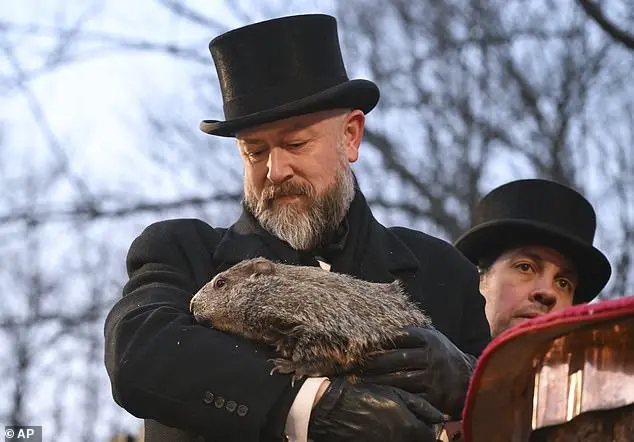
288	188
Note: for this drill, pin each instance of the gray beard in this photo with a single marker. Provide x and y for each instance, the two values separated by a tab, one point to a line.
305	225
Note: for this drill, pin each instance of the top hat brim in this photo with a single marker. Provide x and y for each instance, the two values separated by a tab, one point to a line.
352	94
505	368
496	236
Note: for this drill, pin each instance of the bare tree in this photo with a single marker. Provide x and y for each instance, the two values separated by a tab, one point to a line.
49	323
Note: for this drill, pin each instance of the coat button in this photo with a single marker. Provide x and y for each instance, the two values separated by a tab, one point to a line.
208	398
242	410
219	402
231	406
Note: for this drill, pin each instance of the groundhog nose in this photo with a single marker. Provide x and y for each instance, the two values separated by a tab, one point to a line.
196	305
192	304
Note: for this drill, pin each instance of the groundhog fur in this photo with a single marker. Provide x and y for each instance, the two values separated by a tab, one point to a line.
320	323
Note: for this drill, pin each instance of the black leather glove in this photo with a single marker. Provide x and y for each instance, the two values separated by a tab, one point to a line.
427	363
372	413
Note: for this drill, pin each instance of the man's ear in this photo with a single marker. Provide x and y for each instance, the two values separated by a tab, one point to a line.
353	126
483	281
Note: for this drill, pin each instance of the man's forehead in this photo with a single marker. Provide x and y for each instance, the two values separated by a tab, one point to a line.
286	125
256	134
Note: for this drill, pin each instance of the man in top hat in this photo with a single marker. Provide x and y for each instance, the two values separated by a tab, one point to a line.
532	242
298	121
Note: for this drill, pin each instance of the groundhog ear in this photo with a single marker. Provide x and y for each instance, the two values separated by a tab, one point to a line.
263	267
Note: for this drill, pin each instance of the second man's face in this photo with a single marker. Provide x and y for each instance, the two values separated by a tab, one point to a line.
525	283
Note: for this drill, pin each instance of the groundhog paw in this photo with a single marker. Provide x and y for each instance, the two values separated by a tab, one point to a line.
286	366
283	366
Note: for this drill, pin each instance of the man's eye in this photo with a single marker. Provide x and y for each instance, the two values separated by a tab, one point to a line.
524	267
256	154
296	144
565	284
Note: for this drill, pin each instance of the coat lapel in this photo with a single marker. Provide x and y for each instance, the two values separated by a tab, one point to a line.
387	257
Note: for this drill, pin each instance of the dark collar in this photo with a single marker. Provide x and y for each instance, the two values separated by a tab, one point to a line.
363	248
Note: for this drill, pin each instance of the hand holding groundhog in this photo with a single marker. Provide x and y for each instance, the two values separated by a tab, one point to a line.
320	323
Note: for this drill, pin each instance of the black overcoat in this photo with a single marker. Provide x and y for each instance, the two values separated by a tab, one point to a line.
165	368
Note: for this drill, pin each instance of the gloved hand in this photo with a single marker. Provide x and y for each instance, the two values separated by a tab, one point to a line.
427	363
372	413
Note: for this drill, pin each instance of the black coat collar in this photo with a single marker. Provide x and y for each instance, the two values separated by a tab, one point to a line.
371	251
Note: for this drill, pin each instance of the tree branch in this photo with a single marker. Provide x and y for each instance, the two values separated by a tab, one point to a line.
596	13
39	115
94	212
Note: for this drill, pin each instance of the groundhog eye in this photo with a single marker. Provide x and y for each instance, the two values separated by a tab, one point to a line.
220	282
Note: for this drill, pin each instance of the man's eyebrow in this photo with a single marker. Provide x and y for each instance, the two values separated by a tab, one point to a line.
250	142
532	255
569	271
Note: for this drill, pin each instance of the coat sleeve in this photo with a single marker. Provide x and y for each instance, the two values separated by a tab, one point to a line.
475	333
455	302
461	282
164	366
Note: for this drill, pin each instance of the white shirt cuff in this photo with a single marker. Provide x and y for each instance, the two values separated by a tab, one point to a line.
299	414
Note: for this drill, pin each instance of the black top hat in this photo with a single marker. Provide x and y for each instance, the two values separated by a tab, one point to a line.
282	68
539	212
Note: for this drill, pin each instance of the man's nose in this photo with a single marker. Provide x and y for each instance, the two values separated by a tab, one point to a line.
544	293
279	165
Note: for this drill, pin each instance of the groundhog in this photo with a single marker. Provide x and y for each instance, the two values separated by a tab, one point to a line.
320	323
